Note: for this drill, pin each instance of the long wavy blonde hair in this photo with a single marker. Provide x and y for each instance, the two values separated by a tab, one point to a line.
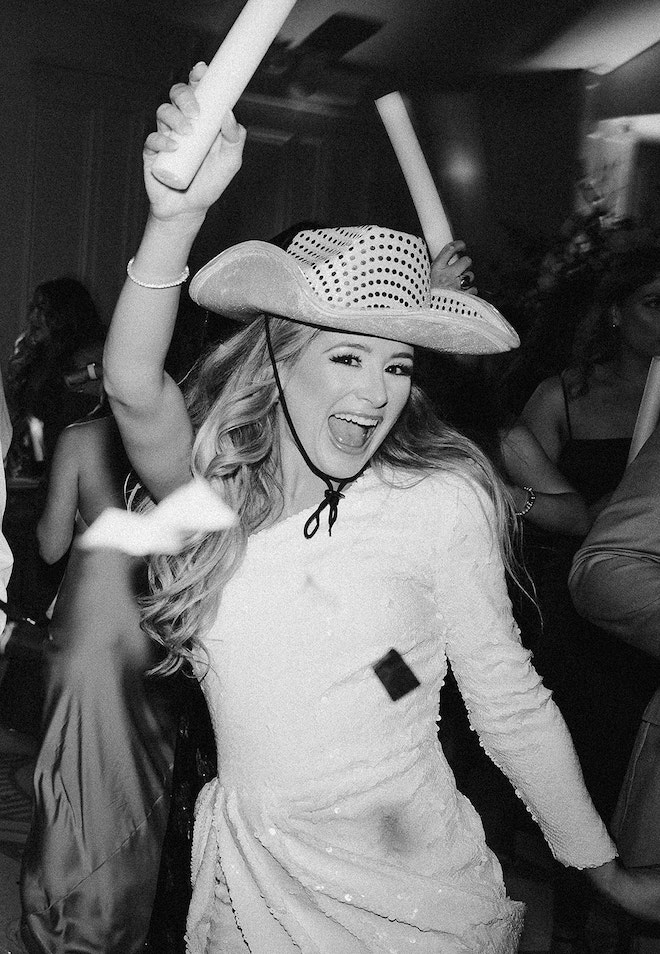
232	398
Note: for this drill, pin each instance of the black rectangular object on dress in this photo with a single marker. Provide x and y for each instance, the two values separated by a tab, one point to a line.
395	674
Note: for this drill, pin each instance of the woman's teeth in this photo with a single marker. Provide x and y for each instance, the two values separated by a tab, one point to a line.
351	430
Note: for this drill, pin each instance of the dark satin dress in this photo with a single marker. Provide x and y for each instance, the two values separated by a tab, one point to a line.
103	776
600	684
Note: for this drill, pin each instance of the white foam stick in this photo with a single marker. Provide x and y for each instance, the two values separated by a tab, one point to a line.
192	509
220	88
649	410
430	211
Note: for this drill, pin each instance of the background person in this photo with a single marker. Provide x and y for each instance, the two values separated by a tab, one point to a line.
63	325
103	774
584	419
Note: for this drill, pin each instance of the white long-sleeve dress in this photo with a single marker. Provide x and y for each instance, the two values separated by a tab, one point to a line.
335	825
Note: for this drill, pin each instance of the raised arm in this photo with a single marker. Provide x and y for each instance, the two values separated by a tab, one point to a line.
147	404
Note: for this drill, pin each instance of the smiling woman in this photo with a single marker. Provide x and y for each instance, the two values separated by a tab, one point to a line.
349	394
335	823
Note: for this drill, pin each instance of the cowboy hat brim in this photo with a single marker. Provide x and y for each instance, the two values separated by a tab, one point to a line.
255	278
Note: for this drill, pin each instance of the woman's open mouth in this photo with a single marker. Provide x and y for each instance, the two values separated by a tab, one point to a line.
352	430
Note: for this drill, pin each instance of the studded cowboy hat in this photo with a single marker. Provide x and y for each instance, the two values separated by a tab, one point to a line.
367	280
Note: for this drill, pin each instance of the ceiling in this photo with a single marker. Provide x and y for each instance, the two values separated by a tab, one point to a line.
450	41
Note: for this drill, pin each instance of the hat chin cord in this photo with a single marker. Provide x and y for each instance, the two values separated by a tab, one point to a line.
332	497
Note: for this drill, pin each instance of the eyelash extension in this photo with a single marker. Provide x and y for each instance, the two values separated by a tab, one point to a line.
405	370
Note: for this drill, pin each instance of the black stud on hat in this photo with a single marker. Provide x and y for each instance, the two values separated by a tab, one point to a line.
367	280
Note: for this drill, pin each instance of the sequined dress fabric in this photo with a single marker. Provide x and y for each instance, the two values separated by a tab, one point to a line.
335	825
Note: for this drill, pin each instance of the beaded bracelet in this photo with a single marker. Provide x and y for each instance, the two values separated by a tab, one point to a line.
170	284
529	503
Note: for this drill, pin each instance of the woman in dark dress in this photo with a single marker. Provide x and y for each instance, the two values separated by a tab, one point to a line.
103	775
63	333
584	418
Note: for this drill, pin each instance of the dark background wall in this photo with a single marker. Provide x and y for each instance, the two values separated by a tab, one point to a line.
76	91
505	155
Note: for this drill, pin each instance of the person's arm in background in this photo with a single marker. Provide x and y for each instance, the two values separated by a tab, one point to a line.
545	416
57	523
556	504
615	579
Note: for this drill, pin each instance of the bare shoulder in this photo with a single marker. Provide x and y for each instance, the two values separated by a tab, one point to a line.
545	416
549	395
80	439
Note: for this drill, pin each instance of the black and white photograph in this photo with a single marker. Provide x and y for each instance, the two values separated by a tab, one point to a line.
330	498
